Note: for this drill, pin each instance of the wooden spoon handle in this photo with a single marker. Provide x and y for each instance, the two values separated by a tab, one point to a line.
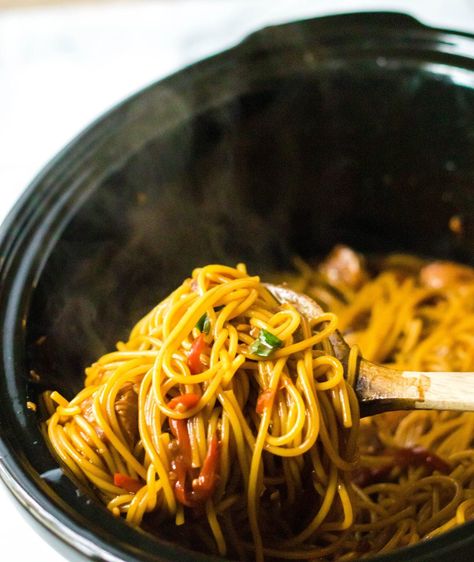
381	389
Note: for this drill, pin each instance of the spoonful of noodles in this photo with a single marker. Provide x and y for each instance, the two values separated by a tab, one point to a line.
382	389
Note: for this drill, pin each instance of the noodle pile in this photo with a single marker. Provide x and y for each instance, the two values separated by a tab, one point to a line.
225	412
226	422
415	479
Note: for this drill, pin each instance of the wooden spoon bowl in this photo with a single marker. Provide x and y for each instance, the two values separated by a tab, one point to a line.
381	389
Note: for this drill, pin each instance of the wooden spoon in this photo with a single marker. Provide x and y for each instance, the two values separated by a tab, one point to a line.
381	389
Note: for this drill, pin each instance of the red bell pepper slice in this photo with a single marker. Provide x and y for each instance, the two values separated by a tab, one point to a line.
190	491
403	457
264	400
127	482
194	357
180	427
184	402
204	484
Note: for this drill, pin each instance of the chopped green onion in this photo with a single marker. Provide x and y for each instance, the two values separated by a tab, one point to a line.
204	324
265	344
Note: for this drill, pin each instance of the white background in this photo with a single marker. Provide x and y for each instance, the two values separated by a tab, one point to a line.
61	67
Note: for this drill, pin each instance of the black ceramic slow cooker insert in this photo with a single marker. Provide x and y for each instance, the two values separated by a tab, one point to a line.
354	128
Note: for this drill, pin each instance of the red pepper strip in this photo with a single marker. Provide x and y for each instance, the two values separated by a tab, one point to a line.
419	456
127	482
187	401
194	357
180	427
203	486
181	465
265	399
180	431
415	456
180	469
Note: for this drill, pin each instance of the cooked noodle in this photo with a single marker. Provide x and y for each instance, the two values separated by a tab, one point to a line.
415	478
214	426
227	413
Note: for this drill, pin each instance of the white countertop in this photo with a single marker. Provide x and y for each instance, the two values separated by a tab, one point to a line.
61	67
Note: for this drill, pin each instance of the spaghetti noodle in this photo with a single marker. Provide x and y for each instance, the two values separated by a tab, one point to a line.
226	421
415	477
226	406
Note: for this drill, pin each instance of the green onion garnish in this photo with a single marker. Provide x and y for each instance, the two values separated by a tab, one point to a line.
204	324
265	344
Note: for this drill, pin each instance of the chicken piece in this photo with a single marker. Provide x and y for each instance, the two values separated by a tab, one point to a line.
126	407
442	274
344	268
88	413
